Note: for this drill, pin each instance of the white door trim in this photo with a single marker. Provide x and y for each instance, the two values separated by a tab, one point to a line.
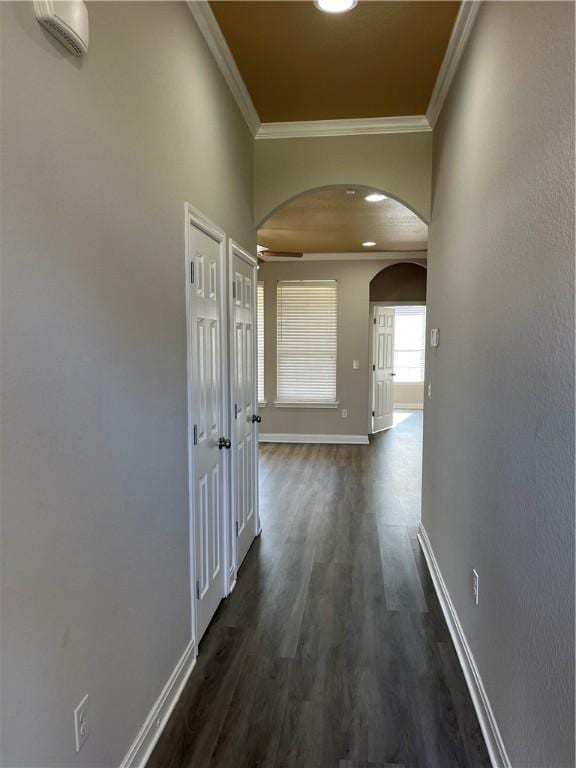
202	222
236	250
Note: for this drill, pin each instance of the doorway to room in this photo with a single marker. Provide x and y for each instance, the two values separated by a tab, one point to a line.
398	363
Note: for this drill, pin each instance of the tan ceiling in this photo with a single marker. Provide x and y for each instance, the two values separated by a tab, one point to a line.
332	221
378	60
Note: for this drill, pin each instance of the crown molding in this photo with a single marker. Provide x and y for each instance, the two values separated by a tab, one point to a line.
458	39
218	46
311	128
212	34
396	256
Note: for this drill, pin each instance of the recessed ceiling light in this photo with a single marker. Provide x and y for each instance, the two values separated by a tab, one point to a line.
335	6
375	197
369	244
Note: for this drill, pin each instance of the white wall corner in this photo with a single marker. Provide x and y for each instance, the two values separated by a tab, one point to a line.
458	39
489	726
147	737
212	34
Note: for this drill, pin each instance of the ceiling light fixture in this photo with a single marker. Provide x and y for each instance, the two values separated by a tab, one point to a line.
375	197
369	244
335	6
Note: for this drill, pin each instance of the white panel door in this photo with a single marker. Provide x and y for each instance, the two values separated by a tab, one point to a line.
244	406
208	454
383	368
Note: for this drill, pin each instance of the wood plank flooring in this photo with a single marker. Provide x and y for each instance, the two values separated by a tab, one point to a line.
332	651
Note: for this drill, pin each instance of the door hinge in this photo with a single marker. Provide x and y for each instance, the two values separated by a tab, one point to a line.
236	527
373	413
195	434
197	590
191	271
235	410
373	367
374	321
234	289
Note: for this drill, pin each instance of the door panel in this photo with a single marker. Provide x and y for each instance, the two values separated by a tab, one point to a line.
383	368
205	257
245	404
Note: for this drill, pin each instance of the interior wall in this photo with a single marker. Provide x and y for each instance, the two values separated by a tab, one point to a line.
98	156
409	395
498	491
353	344
403	283
398	164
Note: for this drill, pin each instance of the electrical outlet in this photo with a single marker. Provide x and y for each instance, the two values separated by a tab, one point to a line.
81	723
475	585
344	413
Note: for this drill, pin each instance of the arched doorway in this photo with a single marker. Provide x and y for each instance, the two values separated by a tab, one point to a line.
398	330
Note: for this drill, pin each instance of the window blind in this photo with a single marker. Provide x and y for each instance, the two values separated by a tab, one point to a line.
306	341
260	323
409	343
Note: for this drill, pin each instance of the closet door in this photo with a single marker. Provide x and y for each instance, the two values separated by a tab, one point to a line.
208	443
244	402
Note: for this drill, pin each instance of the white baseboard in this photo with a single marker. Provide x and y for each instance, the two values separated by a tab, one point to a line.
278	437
155	723
488	724
408	407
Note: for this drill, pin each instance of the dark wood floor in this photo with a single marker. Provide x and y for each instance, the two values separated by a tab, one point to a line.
332	651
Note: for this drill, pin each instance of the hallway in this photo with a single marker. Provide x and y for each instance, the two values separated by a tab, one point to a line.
332	651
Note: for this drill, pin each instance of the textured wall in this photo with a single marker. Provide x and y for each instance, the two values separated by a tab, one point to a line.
399	164
98	157
499	431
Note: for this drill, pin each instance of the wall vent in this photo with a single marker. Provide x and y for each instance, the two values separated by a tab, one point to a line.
67	21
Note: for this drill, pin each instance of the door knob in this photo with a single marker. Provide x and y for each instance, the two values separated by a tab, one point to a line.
256	419
223	442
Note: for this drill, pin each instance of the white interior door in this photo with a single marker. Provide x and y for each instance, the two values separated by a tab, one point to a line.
244	407
383	368
205	254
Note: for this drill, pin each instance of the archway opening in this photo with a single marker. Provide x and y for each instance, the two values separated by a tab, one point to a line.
344	219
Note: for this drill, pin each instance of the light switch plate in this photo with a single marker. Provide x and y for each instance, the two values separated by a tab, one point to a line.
434	337
356	364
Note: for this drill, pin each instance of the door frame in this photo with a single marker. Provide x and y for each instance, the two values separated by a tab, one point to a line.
236	250
198	219
373	305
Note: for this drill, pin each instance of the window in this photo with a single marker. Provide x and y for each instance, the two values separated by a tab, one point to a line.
409	343
260	324
306	341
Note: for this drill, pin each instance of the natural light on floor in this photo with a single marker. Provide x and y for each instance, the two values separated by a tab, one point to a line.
400	416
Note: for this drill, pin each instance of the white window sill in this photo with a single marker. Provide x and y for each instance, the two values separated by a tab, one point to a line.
263	404
282	404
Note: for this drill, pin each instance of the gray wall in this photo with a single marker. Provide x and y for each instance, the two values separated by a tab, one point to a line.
499	431
400	282
98	157
399	164
353	344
